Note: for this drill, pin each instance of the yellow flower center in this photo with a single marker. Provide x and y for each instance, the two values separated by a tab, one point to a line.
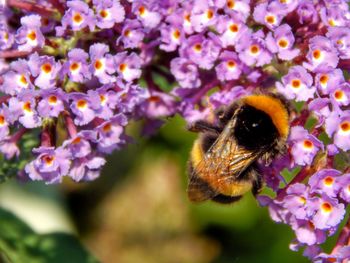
296	83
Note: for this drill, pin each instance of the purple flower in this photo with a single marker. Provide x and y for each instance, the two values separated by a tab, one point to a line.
328	81
4	124
339	127
110	133
132	34
51	103
29	36
307	12
86	168
202	16
107	101
108	12
185	72
159	104
306	233
17	79
45	69
83	107
344	185
268	15
252	49
9	148
80	145
240	9
76	66
321	108
334	16
227	96
230	67
297	199
297	84
128	66
77	17
102	64
305	146
171	37
201	50
340	37
325	181
148	17
328	212
231	30
7	38
23	109
50	165
282	42
341	95
322	55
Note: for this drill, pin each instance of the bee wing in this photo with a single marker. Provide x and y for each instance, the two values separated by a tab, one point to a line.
225	160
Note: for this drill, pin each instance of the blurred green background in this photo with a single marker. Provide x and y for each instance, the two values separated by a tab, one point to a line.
138	211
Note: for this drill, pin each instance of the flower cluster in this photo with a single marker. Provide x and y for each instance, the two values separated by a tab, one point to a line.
78	72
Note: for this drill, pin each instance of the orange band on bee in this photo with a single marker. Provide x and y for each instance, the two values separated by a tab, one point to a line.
272	107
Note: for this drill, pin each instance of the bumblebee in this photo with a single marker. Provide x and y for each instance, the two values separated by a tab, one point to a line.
223	163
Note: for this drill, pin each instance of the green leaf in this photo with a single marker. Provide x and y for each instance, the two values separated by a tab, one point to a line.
19	243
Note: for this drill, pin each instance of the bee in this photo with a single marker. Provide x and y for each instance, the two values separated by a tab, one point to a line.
223	161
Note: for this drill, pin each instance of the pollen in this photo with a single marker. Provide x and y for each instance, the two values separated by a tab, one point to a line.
230	4
234	28
154	99
296	83
302	200
197	47
103	13
338	94
31	35
316	54
210	14
187	18
308	144
331	22
23	80
76	140
6	36
345	126
283	43
340	42
2	119
270	19
127	33
254	49
122	67
328	181
48	160
102	98
77	18
74	66
52	99
231	64
98	64
142	10
46	68
107	128
176	34
326	207
324	79
81	104
27	107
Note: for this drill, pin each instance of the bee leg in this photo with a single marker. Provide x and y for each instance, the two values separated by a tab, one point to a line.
225	199
202	126
257	182
225	114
